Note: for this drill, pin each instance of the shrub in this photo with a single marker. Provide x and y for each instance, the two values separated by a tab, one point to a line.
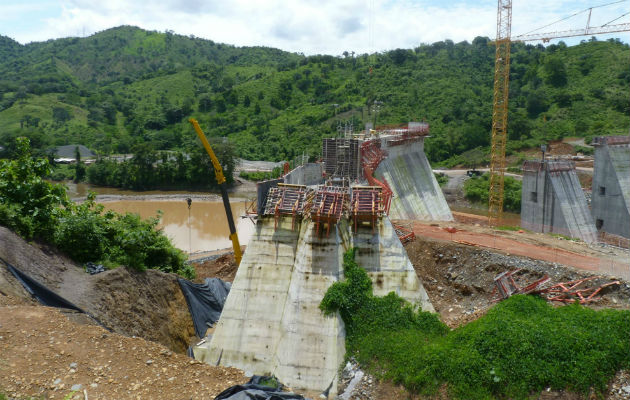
34	208
520	347
442	179
477	191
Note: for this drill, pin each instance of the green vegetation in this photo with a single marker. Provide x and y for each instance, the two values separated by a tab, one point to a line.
476	189
442	179
587	151
520	347
261	175
125	87
509	228
151	169
36	209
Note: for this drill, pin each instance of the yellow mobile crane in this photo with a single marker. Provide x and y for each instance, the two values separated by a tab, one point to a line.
218	173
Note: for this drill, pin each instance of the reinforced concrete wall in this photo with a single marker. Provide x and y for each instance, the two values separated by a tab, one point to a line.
611	185
553	201
307	174
271	322
416	193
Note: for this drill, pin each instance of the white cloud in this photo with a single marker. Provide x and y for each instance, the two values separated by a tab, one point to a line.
326	26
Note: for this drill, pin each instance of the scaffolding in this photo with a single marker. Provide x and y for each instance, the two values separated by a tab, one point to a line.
286	200
341	157
366	205
327	206
371	157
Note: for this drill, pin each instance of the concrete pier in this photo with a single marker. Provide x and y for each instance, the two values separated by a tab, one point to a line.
271	322
416	193
611	185
552	200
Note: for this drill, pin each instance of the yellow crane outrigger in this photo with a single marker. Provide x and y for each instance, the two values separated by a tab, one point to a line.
218	173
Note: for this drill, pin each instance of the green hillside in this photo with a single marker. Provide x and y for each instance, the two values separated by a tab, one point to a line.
126	86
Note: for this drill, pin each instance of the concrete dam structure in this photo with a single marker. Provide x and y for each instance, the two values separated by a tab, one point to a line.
271	322
415	191
611	185
394	159
552	201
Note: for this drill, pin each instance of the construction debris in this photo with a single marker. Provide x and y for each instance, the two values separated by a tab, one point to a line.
566	292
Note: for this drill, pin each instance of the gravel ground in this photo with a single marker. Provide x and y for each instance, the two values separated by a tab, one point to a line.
46	355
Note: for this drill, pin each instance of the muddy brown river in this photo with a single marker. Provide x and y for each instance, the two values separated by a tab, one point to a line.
202	228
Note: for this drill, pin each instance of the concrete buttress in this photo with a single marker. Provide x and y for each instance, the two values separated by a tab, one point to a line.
271	322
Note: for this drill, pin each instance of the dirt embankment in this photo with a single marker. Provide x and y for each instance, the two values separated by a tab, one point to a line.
146	304
46	355
223	267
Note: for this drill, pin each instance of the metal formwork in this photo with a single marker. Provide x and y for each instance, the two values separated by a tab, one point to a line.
287	200
341	157
327	206
366	205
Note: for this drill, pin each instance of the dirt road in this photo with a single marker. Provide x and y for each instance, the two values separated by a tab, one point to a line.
524	247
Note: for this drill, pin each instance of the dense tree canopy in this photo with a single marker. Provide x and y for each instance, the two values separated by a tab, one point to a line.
123	87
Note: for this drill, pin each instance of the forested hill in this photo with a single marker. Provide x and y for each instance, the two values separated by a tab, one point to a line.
126	86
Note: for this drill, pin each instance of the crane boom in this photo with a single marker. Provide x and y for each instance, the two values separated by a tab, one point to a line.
500	110
218	172
598	30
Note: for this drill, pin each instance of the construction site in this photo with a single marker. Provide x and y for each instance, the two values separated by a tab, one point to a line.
122	333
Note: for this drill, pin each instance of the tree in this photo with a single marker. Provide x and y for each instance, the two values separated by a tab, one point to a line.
61	115
205	103
79	168
555	72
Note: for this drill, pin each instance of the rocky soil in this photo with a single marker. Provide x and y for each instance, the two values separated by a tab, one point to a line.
459	279
46	355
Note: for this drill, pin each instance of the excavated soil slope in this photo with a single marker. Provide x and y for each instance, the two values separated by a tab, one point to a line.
147	304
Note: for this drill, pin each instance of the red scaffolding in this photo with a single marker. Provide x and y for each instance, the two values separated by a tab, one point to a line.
371	157
405	234
366	205
286	200
327	206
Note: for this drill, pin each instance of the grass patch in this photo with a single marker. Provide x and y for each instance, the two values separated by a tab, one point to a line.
509	228
520	347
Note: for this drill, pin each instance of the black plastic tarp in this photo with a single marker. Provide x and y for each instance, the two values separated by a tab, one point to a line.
253	390
205	301
44	295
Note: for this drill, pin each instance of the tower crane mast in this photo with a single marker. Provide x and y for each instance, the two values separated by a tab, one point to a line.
501	91
500	110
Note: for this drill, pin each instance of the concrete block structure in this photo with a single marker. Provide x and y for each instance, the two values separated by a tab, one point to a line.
611	185
553	201
415	191
271	322
307	174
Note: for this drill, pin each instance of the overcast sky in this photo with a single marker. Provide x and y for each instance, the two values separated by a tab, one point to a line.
310	27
